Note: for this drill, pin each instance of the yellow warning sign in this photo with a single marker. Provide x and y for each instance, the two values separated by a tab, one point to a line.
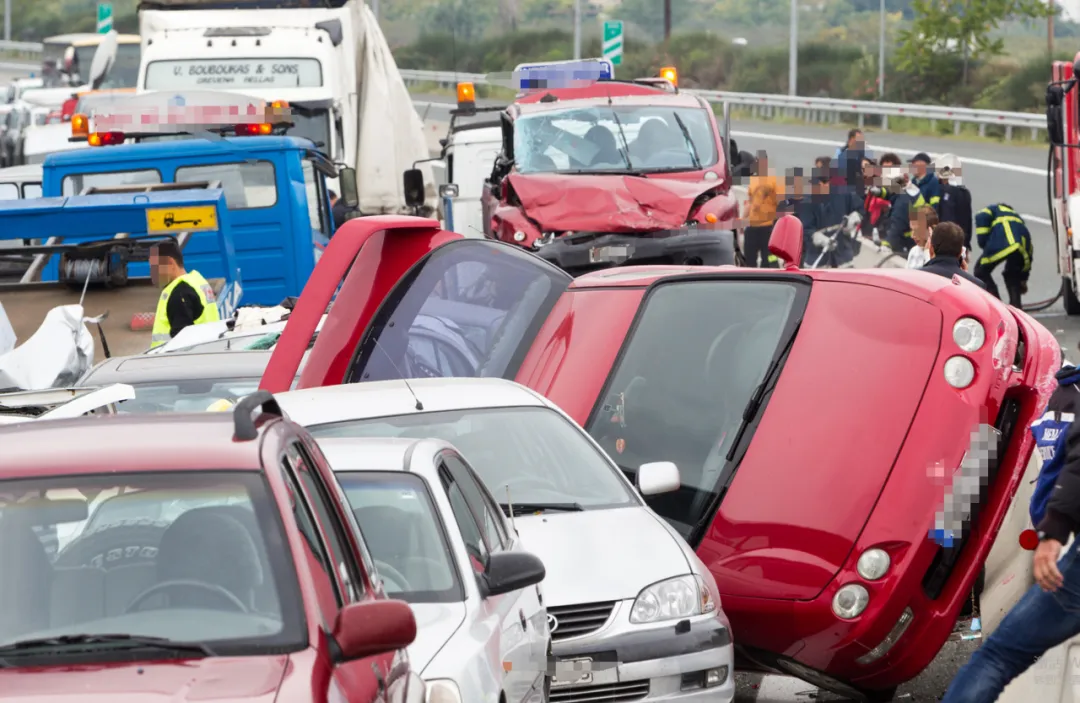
181	219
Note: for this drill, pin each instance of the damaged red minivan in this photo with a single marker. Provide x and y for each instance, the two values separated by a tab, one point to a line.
816	417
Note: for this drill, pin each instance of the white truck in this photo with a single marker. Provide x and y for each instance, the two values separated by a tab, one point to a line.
329	60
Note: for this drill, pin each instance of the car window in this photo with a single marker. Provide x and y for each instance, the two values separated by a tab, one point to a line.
76	184
487	514
329	523
471	532
194	395
189	556
9	191
481	304
396	515
534	452
247	185
318	559
684	401
318	215
31	190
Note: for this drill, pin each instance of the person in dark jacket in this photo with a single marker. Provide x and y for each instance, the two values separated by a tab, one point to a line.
1049	613
925	179
947	253
955	204
849	162
793	193
1049	432
824	209
906	198
1003	237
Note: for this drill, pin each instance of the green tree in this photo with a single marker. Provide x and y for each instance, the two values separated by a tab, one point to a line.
648	15
951	31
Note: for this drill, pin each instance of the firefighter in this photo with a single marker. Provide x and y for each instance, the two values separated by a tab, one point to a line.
955	204
186	297
1003	237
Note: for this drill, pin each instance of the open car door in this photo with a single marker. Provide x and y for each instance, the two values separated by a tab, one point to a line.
411	300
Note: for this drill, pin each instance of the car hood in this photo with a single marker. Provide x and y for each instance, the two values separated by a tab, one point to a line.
217	679
602	203
596	555
436	623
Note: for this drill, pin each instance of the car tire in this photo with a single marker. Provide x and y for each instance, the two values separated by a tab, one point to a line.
116	544
1072	302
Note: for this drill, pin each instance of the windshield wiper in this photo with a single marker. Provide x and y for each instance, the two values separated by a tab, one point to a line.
626	144
689	141
522	508
32	646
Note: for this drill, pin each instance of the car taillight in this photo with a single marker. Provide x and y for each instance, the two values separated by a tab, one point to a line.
105	138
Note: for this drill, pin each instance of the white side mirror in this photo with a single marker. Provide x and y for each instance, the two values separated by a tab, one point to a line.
658	477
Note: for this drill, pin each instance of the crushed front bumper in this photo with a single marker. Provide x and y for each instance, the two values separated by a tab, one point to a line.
688	661
582	252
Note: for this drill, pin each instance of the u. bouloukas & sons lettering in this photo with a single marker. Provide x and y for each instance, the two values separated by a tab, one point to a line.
253	73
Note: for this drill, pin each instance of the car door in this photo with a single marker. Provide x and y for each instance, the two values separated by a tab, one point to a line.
335	569
492	294
515	612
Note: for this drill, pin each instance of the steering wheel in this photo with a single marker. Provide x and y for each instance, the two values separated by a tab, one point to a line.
396	577
222	593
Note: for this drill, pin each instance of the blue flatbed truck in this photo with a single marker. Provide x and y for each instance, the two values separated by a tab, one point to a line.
106	243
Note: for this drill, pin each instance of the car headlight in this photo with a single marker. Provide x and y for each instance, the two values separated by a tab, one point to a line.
442	691
969	334
680	597
959	372
850	601
873	564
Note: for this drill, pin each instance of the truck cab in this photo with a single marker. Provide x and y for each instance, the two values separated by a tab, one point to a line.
275	185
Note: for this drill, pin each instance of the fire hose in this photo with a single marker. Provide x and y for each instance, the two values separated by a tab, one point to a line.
1051	164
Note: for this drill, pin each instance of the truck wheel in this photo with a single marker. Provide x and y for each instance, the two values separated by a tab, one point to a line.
1072	303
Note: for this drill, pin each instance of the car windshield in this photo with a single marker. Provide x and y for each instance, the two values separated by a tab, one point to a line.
535	452
684	380
615	138
186	396
77	184
125	69
407	539
185	557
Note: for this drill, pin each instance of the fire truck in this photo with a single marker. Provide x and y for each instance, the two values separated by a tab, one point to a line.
1063	175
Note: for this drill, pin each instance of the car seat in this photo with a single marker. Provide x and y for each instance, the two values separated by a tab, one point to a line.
213	548
604	140
392	536
25	579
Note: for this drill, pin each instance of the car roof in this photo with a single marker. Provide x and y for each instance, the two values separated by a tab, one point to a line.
367	453
125	443
175	149
585	97
18	174
361	401
178	366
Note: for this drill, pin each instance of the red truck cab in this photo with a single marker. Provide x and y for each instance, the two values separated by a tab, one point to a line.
190	557
613	173
816	416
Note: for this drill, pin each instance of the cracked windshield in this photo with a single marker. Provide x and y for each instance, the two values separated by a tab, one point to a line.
617	138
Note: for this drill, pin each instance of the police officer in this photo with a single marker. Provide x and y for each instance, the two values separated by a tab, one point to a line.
186	297
1003	236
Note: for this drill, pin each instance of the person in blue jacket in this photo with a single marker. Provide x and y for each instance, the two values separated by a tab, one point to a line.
1003	237
905	198
826	208
1049	432
925	179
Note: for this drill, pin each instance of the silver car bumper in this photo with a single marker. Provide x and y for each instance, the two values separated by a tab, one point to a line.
684	660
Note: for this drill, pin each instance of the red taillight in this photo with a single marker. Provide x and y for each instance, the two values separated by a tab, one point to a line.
252	130
105	138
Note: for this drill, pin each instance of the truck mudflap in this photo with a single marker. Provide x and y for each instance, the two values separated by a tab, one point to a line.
578	254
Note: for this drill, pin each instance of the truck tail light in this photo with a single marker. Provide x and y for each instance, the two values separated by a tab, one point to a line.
253	129
105	138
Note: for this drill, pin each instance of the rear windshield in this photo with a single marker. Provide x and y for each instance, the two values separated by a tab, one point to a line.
187	396
247	185
125	69
686	374
75	185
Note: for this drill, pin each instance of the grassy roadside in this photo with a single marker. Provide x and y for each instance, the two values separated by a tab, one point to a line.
897	125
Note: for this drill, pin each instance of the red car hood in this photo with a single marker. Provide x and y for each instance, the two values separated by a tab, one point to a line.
596	203
218	679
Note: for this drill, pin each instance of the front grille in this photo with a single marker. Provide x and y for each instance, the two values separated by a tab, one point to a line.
601	693
581	619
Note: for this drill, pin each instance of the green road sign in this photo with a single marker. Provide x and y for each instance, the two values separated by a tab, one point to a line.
104	17
613	42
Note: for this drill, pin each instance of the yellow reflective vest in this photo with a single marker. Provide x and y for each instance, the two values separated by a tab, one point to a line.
162	331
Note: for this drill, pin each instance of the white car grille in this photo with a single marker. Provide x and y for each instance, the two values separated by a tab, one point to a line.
578	620
601	693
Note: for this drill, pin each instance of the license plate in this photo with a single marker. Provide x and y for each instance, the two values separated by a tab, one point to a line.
572	672
602	255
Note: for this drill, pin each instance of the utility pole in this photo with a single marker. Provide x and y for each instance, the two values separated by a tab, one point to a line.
667	20
7	20
577	29
1049	31
374	8
793	50
881	56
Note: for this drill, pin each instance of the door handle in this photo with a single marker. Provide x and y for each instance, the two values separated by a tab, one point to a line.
524	621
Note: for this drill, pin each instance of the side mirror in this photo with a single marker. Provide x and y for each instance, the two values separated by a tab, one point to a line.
658	477
448	190
786	241
349	192
512	571
414	187
373	627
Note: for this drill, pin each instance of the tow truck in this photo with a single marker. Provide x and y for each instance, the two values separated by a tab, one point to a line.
98	243
596	172
274	184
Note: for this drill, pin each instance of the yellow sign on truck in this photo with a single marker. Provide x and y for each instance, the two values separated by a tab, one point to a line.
181	219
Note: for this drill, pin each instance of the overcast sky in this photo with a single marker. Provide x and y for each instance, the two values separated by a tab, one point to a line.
1071	7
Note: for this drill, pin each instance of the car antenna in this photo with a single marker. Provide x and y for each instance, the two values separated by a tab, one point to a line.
419	405
510	510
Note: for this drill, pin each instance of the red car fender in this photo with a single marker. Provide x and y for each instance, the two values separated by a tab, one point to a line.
506	220
723	207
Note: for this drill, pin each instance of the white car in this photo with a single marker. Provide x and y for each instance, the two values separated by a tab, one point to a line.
633	613
440	543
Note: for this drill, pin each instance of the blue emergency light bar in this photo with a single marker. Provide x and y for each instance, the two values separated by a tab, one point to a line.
562	74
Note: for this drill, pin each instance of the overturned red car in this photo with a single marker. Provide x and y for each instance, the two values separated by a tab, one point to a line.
613	173
815	416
